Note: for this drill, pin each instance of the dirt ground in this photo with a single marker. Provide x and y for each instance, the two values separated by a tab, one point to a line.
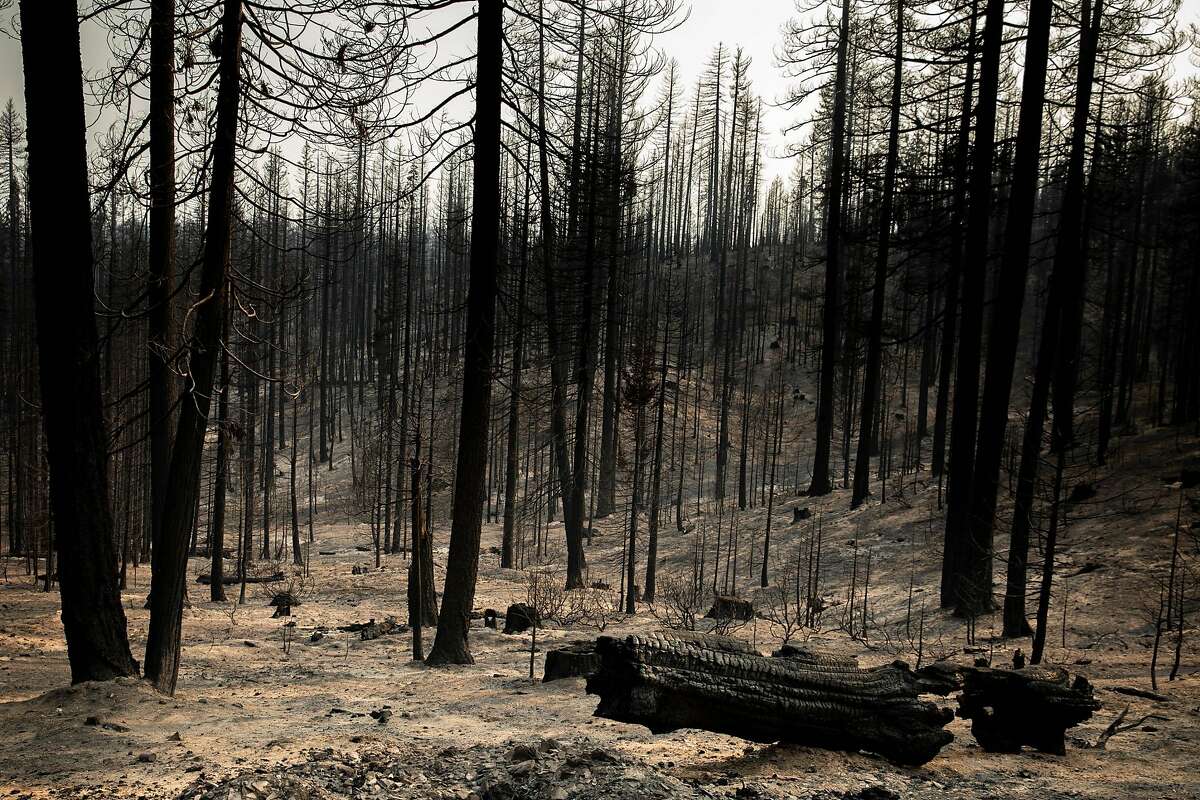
255	694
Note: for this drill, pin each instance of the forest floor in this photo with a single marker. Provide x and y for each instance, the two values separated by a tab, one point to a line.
265	710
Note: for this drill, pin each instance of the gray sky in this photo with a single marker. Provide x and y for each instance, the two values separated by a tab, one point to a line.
752	24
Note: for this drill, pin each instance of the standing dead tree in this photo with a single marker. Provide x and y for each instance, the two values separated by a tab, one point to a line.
68	347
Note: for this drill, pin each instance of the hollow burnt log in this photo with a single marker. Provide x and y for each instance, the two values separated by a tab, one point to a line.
576	660
1032	706
671	681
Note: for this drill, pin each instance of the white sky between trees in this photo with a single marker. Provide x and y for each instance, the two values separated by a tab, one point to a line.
753	25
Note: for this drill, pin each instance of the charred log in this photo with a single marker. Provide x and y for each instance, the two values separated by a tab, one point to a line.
1032	706
231	580
373	630
815	659
941	678
667	682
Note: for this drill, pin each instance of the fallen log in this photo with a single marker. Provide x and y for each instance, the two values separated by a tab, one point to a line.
813	658
1133	691
373	630
941	678
376	629
576	660
233	580
1033	706
671	681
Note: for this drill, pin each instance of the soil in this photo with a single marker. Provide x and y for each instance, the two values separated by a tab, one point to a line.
266	707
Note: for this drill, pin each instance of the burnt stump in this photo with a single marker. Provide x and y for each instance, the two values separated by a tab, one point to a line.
519	618
1034	706
576	660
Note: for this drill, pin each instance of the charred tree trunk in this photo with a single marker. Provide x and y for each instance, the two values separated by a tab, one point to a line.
1060	335
656	477
170	558
462	566
1031	706
422	601
572	516
975	594
512	449
950	304
1070	246
606	500
956	552
822	479
160	285
862	461
68	345
220	490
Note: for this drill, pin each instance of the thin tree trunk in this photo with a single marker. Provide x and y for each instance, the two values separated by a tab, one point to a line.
170	558
462	566
160	283
1043	609
656	479
512	450
870	398
1060	337
217	537
822	481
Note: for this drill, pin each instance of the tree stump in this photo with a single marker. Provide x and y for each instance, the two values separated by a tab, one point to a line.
576	660
519	618
726	607
1032	706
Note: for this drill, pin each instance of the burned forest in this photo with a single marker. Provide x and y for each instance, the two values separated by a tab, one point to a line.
549	399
